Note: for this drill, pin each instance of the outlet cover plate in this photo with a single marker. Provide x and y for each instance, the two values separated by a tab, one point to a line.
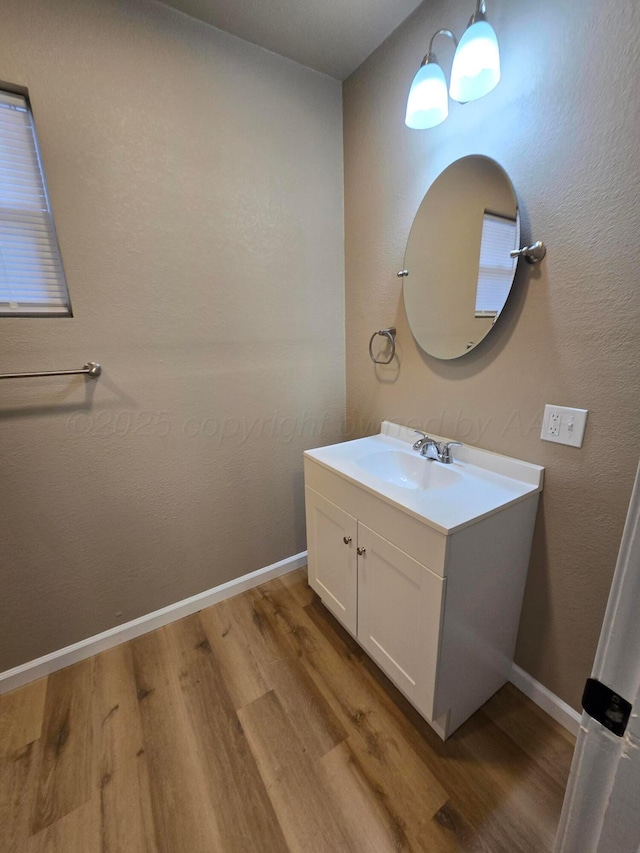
564	425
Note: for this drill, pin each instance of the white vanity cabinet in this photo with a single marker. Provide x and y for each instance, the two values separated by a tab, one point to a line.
390	602
437	610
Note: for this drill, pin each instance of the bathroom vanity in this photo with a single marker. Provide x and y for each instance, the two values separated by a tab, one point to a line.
424	563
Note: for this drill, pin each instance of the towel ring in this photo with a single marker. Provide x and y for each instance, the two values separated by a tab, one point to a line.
390	334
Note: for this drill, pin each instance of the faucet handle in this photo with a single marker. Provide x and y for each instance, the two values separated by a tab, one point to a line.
423	437
445	453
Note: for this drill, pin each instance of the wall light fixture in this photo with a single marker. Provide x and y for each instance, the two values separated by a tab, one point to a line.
474	73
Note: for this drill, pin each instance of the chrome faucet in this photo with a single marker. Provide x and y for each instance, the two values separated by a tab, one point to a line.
442	449
425	443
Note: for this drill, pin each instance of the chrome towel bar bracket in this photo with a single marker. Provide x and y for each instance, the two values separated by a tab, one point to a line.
91	368
390	334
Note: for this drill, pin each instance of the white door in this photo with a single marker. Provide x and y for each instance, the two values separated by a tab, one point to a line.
601	812
399	610
332	540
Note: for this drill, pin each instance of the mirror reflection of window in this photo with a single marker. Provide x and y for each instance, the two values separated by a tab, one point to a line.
495	274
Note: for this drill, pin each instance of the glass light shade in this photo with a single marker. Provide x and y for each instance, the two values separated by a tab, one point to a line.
476	64
428	102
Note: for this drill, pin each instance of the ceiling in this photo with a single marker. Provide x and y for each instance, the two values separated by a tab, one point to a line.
332	36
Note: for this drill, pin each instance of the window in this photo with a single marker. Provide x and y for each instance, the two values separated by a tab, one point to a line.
32	282
499	238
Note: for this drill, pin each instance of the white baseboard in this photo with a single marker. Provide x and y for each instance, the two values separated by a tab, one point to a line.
40	667
545	699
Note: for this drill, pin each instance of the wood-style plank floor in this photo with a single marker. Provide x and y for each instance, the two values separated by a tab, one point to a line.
258	726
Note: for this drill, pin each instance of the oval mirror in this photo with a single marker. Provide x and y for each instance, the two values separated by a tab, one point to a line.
458	270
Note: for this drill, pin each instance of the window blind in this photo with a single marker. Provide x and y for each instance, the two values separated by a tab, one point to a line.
499	237
32	281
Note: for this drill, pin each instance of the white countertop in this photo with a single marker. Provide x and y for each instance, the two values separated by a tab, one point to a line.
487	482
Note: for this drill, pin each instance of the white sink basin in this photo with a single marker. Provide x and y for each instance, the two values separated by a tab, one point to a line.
447	497
408	470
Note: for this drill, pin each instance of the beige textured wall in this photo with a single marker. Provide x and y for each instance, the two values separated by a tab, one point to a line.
564	123
196	182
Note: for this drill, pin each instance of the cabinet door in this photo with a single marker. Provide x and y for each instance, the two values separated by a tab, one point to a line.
399	616
333	569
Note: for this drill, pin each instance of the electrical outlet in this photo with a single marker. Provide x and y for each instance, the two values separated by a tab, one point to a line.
564	425
555	419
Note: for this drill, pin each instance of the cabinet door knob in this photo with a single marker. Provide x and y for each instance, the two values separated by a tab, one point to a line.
346	540
361	551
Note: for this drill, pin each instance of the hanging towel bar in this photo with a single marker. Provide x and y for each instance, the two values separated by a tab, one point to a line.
91	368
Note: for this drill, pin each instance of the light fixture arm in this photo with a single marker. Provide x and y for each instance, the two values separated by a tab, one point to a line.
431	57
480	14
